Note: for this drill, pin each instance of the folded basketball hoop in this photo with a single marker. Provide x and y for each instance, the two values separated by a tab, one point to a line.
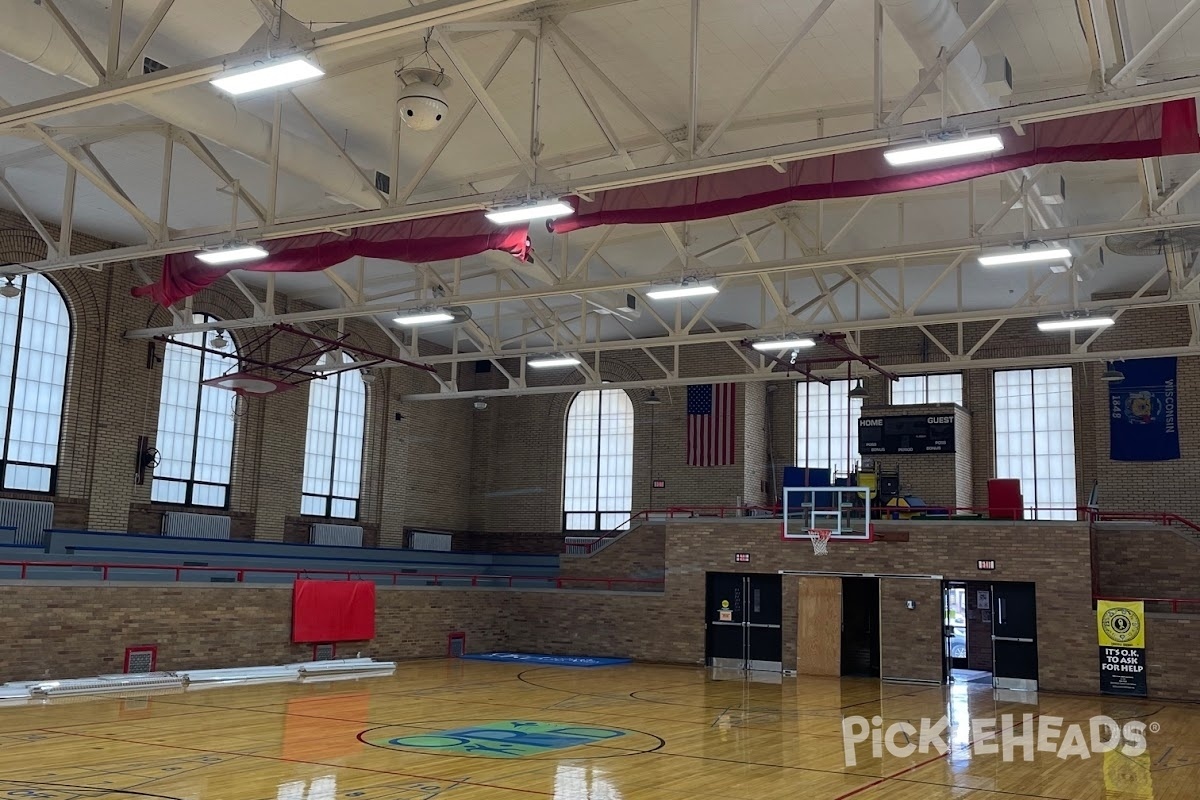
247	384
820	540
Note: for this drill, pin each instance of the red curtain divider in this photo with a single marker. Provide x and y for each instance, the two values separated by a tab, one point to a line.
1131	133
333	611
413	241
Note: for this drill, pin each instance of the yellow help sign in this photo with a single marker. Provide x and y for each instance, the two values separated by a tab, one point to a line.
1121	624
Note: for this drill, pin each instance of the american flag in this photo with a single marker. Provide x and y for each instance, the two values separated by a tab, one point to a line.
710	432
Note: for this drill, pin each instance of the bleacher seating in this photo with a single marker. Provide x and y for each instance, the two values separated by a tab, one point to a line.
225	560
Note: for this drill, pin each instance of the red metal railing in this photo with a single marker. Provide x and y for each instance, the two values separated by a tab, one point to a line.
1165	518
1081	513
1177	605
391	578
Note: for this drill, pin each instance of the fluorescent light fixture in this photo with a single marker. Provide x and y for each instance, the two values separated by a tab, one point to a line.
232	254
942	151
547	209
552	361
268	76
784	344
425	317
684	290
1031	256
1075	323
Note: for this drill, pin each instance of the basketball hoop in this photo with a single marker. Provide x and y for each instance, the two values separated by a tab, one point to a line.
820	540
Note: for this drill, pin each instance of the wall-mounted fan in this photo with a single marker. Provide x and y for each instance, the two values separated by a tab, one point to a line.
147	458
1153	243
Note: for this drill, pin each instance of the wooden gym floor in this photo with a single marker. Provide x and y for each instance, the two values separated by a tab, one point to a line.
628	732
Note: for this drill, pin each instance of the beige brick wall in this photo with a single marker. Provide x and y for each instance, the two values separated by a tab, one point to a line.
82	630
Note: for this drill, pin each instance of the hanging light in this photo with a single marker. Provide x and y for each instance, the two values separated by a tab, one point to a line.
944	149
653	399
267	75
1076	322
549	362
218	342
10	289
233	252
1112	375
688	287
859	392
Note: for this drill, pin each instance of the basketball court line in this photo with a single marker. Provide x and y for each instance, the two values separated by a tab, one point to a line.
512	705
939	757
302	761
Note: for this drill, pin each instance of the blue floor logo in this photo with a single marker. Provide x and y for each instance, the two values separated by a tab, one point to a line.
502	739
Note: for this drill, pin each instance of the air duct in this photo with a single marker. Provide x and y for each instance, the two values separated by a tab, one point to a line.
932	26
31	35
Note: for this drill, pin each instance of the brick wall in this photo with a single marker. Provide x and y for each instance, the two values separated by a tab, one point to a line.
82	630
1055	556
640	554
53	633
936	478
1172	650
1147	561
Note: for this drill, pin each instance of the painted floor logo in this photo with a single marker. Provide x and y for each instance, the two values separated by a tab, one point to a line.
1009	737
502	739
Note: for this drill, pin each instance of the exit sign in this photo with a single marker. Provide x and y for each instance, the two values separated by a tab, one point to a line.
987	564
741	558
659	484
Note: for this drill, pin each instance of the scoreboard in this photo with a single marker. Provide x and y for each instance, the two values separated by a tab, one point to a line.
922	433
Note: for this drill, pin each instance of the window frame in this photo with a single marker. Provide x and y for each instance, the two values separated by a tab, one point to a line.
925	401
1067	511
6	444
329	499
598	514
852	413
191	483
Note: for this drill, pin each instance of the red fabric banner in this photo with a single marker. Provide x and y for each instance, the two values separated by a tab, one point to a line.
333	611
1131	133
414	241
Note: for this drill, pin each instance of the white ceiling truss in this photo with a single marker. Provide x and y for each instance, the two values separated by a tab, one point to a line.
545	105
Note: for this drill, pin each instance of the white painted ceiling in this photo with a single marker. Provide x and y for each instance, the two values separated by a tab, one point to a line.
643	46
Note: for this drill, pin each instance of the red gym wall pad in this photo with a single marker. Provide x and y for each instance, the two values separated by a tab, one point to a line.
333	611
1130	133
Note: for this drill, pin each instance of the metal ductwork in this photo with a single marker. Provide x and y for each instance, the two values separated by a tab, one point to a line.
931	26
31	35
928	26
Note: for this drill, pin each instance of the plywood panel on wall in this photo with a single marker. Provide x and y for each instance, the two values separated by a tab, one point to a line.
819	627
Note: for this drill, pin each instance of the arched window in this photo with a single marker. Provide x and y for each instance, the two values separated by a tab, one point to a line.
35	333
195	422
333	448
598	468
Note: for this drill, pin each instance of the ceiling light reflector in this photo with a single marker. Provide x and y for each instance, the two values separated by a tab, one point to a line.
268	76
548	209
784	344
232	254
1076	323
943	151
1024	257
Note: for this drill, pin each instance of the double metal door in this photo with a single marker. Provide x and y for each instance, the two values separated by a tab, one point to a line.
744	621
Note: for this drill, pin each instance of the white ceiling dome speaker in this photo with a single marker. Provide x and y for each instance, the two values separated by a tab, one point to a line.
422	102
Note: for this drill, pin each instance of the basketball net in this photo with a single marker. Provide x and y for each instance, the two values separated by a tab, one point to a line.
820	540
